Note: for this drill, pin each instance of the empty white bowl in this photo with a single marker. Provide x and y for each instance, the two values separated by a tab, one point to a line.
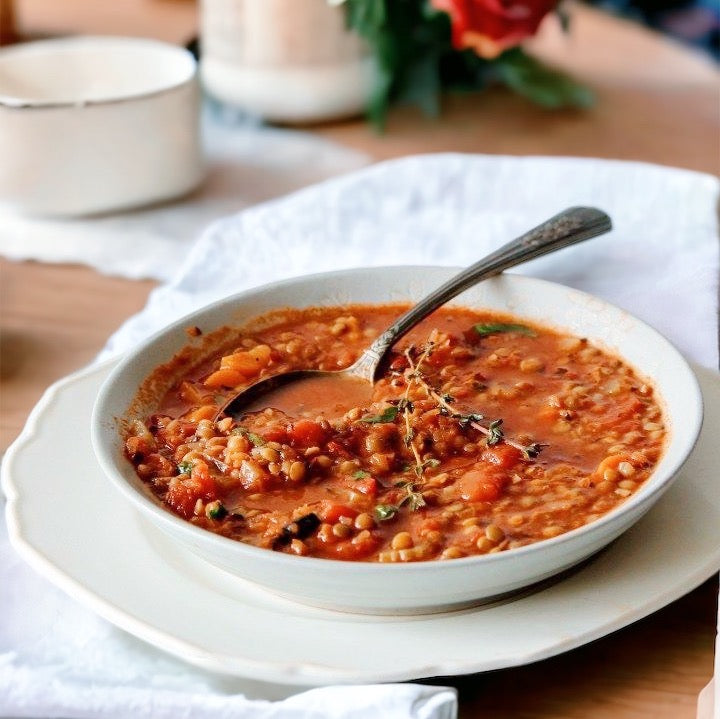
420	586
97	124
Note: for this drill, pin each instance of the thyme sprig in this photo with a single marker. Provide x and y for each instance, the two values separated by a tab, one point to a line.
414	376
493	432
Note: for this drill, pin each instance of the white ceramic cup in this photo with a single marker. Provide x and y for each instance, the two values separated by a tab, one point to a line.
97	124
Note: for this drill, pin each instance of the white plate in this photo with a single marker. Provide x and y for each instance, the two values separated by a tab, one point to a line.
68	521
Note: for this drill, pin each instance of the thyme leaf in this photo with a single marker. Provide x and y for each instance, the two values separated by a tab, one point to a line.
383	512
531	451
466	419
412	498
495	432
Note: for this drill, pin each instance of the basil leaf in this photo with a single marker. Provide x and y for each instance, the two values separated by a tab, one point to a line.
491	328
387	415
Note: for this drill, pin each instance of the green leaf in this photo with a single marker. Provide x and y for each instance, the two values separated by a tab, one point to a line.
466	419
215	510
531	451
543	85
255	439
361	474
184	467
413	498
491	328
496	433
387	415
421	86
383	512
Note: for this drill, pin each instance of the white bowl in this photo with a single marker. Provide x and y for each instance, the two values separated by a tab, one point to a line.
421	586
93	124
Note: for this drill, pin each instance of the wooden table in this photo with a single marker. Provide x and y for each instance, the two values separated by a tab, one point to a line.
657	102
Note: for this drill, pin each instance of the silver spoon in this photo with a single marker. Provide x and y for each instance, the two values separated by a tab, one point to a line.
569	227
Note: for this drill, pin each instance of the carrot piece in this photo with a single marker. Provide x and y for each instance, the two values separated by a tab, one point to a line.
248	362
224	378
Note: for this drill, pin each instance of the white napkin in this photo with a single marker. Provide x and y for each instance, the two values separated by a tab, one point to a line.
661	263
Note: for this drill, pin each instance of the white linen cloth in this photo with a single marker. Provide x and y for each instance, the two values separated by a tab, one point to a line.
661	263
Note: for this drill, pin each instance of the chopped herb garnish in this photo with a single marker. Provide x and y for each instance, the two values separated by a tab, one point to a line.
255	439
413	498
495	432
361	474
403	404
466	419
383	512
531	451
184	467
491	328
215	510
387	415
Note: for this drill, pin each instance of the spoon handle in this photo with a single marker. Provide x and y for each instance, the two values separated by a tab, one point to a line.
569	227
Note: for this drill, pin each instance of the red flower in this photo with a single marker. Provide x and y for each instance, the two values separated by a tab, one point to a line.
491	26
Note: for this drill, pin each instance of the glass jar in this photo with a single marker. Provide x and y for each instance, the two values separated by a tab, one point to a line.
288	61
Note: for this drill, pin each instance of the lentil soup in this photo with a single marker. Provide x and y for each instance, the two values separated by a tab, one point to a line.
484	433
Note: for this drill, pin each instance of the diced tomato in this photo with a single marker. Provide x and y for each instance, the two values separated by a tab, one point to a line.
184	492
354	549
306	433
331	512
502	455
366	485
481	485
398	363
617	419
275	434
440	356
337	449
155	465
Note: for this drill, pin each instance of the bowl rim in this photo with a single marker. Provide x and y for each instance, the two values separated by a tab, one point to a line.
638	502
189	74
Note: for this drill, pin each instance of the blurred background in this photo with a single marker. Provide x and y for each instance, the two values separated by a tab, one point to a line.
693	22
